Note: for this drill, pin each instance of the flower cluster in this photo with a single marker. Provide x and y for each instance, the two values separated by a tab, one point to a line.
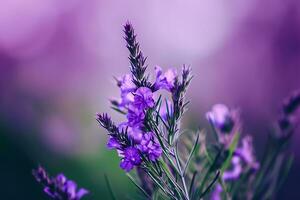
226	123
242	161
59	187
137	98
135	102
177	166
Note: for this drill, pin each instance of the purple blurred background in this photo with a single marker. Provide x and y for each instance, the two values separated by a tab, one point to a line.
57	60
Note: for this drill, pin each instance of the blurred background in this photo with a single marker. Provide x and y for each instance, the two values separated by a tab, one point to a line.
58	59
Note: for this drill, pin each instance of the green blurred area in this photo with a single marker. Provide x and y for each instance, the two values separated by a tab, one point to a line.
19	156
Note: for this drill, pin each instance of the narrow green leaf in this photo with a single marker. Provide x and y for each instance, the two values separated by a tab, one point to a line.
231	149
118	110
109	187
193	151
138	186
210	185
192	183
285	171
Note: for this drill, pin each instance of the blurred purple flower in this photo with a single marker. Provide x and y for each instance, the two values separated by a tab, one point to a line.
143	98
131	158
243	156
226	123
246	153
221	117
292	103
166	80
59	187
236	170
216	194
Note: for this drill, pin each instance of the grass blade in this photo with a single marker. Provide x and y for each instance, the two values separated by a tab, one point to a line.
109	187
138	186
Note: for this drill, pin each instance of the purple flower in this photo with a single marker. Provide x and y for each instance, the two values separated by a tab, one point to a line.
166	80
216	194
67	188
236	170
71	187
127	88
246	153
143	98
164	110
113	143
150	146
225	121
133	132
135	116
41	176
243	156
126	99
131	158
221	117
59	188
125	83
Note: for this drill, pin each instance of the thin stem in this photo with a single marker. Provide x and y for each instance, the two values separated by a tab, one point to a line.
181	175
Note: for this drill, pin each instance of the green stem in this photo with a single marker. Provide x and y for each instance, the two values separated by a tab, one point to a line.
182	176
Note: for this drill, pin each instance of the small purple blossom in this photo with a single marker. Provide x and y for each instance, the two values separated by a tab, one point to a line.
125	83
135	133
150	146
59	187
143	98
127	88
165	108
135	116
131	158
236	170
243	156
221	117
113	143
166	80
246	153
225	121
216	194
126	99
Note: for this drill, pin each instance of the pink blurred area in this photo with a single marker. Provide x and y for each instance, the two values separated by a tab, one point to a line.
57	60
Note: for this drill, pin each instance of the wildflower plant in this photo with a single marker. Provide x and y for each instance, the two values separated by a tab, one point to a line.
165	161
59	187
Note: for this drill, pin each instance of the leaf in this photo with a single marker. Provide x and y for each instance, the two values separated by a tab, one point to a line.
231	149
192	182
285	171
196	146
210	185
173	182
118	110
109	187
138	186
158	183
